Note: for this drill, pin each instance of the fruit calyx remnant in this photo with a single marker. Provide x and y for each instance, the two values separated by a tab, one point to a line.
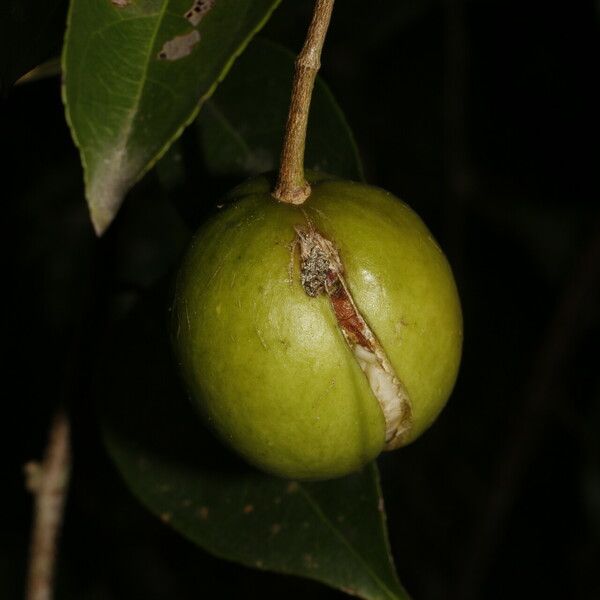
322	272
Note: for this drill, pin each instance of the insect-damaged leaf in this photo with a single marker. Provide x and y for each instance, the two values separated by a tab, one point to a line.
332	531
135	74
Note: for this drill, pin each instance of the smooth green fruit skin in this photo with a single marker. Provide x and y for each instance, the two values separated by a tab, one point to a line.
267	365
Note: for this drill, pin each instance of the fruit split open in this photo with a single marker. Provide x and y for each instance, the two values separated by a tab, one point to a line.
322	272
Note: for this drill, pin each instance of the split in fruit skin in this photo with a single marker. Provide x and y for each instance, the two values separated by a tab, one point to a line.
265	363
322	272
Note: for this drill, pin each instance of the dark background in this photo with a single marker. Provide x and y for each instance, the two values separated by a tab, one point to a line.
482	116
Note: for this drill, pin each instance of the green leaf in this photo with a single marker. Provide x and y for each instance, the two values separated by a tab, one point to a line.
45	70
241	127
135	74
332	531
30	31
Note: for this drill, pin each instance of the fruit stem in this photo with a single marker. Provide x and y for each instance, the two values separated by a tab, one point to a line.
292	187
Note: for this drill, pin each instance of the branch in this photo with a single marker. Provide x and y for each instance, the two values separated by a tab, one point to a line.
292	187
49	483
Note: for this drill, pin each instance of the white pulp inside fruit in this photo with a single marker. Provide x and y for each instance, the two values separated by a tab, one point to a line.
390	393
321	272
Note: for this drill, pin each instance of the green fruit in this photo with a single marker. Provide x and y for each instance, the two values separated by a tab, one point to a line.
287	378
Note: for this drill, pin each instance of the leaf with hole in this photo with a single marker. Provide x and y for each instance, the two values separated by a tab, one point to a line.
135	74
